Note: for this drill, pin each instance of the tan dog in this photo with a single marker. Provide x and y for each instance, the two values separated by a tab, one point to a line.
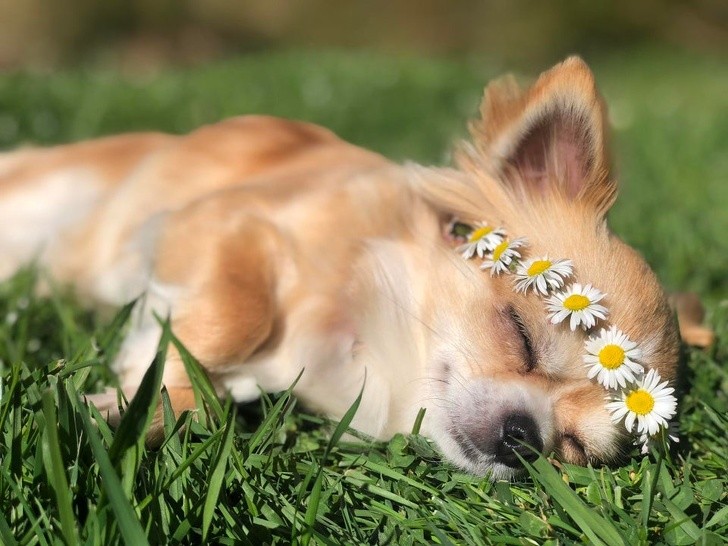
275	247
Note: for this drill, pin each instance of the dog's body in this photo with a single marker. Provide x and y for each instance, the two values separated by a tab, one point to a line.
276	247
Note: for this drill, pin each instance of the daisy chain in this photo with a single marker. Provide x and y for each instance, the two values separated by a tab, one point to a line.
642	401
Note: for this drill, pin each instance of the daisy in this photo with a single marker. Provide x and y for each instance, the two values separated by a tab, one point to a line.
503	254
579	303
649	402
611	358
542	274
482	239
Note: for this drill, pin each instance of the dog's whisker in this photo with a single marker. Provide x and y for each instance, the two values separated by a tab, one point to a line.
464	350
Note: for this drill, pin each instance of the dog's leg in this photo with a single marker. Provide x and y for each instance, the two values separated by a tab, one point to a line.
214	276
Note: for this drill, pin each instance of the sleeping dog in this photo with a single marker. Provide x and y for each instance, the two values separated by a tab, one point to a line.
490	293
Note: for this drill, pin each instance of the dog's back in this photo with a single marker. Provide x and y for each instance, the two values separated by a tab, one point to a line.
76	208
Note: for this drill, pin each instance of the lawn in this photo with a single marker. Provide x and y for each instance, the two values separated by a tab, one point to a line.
271	473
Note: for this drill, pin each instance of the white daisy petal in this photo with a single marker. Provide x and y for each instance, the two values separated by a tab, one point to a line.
629	421
576	319
559	316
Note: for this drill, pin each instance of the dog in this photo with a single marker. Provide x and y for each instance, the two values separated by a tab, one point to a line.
279	250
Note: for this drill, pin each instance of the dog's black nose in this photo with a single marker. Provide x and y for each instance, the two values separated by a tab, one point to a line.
521	436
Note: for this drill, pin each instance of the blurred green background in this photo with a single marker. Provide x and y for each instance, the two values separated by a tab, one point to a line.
400	77
141	34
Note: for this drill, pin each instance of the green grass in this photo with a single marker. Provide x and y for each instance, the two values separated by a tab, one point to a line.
269	472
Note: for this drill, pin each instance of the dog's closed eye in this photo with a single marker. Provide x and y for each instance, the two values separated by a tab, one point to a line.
572	448
529	353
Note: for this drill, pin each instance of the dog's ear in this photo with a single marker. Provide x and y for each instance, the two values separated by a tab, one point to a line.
548	139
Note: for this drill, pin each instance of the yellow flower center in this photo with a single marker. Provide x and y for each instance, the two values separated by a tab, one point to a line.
538	267
640	402
611	356
576	302
479	233
499	250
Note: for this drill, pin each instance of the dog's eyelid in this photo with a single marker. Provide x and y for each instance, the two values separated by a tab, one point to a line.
530	353
575	442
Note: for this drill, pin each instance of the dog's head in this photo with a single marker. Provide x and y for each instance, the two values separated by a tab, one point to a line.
505	375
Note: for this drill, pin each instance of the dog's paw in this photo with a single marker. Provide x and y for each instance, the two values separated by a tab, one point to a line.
107	403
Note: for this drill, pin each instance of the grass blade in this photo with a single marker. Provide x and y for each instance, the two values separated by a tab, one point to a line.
218	474
315	497
649	483
598	529
131	529
418	421
274	415
198	377
117	325
140	412
53	463
5	533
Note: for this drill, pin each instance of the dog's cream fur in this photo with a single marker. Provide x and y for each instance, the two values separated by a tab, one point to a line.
276	247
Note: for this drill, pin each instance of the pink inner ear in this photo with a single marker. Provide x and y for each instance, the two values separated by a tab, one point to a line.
555	151
571	158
